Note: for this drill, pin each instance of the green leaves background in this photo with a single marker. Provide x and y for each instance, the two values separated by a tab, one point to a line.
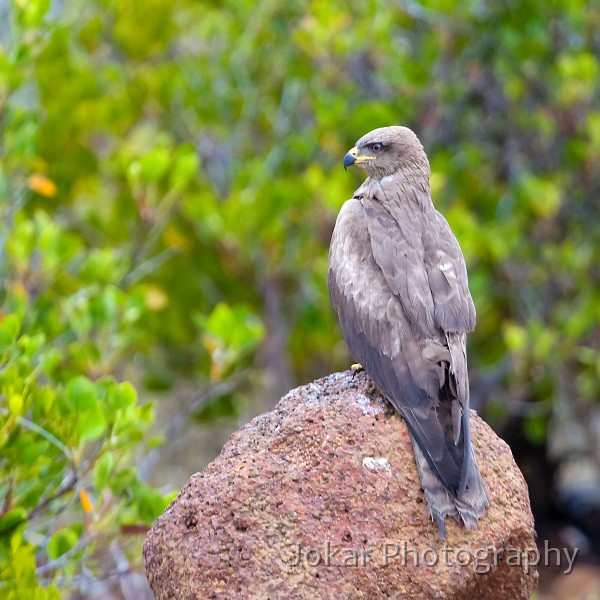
170	178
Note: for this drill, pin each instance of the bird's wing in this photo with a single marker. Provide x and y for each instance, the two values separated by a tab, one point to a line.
380	336
454	311
447	275
420	258
423	265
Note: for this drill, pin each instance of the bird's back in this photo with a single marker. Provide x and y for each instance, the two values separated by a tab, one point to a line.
407	355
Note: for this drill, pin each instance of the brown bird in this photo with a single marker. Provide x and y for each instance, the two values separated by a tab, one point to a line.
398	282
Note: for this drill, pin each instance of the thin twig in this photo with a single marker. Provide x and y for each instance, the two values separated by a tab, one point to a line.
46	434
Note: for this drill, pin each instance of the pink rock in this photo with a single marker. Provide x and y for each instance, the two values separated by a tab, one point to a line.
320	498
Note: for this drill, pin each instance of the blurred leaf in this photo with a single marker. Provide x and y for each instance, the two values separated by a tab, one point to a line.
103	470
42	185
81	394
91	423
229	333
535	429
9	329
12	519
62	541
121	396
86	501
15	404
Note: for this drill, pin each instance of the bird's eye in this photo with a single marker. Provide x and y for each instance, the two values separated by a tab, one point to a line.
377	147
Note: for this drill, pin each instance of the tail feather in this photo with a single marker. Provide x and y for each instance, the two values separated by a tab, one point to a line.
473	501
442	502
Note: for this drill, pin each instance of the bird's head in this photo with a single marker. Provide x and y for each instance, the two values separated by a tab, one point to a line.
386	150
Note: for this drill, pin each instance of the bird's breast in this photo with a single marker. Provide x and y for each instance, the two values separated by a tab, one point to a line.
350	254
355	274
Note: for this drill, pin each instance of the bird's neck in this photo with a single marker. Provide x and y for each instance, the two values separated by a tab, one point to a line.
411	175
415	168
415	174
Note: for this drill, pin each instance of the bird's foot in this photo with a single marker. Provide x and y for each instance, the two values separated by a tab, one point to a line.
357	367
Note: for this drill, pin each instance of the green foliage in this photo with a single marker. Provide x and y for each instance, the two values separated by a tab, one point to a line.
170	177
229	334
63	415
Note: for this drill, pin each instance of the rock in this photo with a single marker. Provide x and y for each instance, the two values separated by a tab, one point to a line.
320	498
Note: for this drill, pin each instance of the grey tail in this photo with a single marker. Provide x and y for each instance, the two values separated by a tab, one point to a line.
466	505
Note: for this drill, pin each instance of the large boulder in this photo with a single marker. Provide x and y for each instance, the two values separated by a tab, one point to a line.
320	498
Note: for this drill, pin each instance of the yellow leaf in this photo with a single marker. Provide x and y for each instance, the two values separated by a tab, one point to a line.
437	183
156	298
15	404
42	185
174	239
86	502
515	337
17	288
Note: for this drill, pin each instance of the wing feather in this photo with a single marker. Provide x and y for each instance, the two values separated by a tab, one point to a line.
409	369
447	274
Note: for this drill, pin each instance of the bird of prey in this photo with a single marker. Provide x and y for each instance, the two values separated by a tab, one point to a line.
398	282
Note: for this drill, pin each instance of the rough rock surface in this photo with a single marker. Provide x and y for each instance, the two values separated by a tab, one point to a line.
329	476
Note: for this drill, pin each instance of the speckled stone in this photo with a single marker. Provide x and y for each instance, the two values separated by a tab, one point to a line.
329	476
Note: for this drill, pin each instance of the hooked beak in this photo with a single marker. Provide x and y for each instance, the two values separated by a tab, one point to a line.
353	158
350	158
